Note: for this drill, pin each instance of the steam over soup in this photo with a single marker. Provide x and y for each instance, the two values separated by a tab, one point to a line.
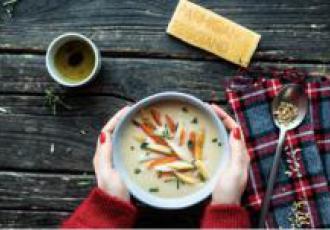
171	149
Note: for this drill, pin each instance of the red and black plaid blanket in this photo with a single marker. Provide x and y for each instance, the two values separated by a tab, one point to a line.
301	196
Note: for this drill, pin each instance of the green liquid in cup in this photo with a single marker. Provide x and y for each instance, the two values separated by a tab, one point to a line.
75	61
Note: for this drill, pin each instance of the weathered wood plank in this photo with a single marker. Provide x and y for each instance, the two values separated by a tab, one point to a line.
80	106
124	77
36	194
132	78
35	191
291	30
31	219
26	142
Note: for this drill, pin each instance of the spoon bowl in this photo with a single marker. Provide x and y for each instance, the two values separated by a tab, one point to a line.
294	94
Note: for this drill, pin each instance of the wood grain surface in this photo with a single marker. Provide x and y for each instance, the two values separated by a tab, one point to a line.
291	30
45	160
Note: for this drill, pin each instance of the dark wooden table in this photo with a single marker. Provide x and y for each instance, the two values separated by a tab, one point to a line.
40	186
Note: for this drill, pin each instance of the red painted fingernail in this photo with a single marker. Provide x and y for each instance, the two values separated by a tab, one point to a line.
102	137
237	133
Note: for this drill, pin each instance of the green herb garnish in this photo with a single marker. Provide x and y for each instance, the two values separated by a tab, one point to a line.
136	123
194	121
53	101
166	132
144	145
190	144
219	144
201	177
137	171
9	6
185	109
153	189
177	183
214	140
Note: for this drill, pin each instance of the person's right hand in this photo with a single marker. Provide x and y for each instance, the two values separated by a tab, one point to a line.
108	179
232	181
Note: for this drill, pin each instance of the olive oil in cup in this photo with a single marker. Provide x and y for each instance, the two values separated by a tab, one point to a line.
73	60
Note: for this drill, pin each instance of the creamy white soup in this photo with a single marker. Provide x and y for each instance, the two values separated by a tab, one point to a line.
171	149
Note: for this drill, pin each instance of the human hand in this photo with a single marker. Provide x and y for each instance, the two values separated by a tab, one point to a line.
232	181
108	179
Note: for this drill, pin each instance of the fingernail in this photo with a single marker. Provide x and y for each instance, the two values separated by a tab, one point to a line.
102	137
237	133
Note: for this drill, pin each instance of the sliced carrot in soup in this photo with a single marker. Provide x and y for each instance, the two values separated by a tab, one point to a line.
161	161
199	145
149	131
156	116
182	137
171	124
192	142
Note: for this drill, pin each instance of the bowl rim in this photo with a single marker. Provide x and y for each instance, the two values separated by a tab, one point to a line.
146	197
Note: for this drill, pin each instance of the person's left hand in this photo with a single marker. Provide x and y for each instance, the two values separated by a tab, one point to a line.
232	181
108	179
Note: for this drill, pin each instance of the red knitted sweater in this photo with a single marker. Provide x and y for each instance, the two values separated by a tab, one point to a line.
100	210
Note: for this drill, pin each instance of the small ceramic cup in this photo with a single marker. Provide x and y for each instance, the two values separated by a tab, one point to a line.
59	42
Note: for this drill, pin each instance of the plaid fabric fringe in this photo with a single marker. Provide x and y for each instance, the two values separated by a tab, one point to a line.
301	196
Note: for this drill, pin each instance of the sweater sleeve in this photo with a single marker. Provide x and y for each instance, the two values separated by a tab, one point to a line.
225	216
100	210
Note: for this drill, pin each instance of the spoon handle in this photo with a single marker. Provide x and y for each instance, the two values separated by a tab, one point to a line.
272	178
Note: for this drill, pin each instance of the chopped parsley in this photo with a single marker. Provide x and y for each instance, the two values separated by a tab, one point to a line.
177	183
185	109
219	144
190	144
154	189
214	140
137	171
201	177
136	123
144	145
166	133
194	121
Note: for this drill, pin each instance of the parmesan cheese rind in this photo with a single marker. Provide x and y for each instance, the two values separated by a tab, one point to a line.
207	30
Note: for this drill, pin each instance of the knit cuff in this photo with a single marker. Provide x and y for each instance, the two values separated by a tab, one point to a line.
101	210
225	216
113	202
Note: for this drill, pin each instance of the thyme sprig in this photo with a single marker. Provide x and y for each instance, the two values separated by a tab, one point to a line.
9	6
53	101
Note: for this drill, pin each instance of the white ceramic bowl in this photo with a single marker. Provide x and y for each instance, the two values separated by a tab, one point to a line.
135	189
60	41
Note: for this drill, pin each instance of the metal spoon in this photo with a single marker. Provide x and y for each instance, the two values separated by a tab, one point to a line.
294	94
